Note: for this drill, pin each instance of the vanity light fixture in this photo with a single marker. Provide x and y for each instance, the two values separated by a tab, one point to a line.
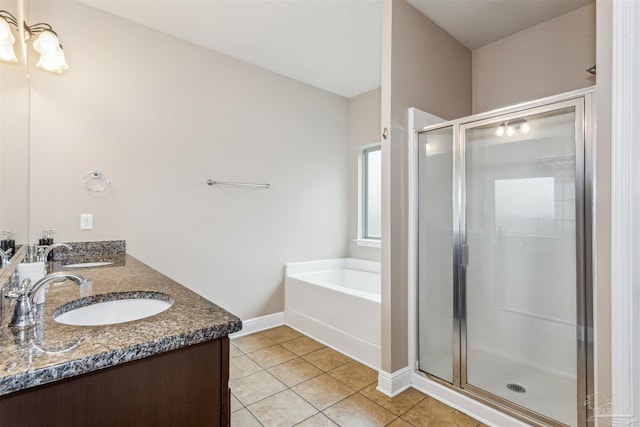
7	40
46	44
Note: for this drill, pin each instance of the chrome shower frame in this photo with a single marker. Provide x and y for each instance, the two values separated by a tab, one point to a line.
582	101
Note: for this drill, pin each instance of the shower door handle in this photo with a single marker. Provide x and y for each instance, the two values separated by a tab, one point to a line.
464	255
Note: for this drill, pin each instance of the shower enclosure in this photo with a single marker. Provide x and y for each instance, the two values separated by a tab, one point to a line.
503	275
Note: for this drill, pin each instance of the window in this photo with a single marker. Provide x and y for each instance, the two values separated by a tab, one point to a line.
371	193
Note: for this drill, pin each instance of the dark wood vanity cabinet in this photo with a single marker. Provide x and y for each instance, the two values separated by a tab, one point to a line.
183	387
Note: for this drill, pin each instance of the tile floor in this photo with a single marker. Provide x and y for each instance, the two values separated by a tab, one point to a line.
281	378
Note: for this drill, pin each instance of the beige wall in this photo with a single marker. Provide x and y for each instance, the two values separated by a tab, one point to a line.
429	70
602	250
544	60
160	116
364	125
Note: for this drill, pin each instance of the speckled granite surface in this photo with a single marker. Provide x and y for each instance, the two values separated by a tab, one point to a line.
54	351
90	249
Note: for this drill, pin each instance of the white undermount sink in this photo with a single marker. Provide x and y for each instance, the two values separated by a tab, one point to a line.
112	312
88	264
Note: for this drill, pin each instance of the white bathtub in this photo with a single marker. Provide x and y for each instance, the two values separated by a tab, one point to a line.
336	302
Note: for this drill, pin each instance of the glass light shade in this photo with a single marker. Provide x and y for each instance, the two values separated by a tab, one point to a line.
500	130
7	40
511	130
51	54
525	128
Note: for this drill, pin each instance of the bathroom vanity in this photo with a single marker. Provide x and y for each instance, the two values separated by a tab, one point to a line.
168	369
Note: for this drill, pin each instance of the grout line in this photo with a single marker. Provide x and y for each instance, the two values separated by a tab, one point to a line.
322	372
312	405
254	417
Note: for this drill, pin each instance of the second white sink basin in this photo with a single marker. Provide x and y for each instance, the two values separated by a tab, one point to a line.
112	312
88	264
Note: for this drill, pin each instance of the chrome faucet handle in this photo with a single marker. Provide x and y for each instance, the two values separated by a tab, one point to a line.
23	311
24	289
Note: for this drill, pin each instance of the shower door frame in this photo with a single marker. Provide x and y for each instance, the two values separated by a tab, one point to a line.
584	113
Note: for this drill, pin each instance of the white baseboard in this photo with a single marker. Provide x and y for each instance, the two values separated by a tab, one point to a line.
395	383
258	324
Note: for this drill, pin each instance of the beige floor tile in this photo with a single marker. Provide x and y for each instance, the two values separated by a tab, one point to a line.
234	351
255	387
242	366
235	404
429	412
271	356
252	342
326	358
318	420
323	391
320	379
281	334
294	371
243	418
282	410
302	345
399	404
355	375
399	422
358	411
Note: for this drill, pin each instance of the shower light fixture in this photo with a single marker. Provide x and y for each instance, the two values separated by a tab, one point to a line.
513	127
46	44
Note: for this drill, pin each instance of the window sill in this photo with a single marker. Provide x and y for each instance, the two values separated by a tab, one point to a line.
369	243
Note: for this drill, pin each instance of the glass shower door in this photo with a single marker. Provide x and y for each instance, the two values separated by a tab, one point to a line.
436	282
521	241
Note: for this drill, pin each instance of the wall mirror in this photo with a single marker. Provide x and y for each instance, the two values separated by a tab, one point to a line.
14	136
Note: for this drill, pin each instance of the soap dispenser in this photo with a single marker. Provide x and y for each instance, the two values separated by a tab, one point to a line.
47	240
7	242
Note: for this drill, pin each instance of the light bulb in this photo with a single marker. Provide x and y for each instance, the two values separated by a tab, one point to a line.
511	130
7	53
525	128
500	130
51	54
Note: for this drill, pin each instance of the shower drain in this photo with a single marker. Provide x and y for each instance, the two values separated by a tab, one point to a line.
517	388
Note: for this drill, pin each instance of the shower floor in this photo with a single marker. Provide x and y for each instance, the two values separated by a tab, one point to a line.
549	393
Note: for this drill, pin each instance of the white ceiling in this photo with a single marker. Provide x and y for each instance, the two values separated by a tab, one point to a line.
333	45
476	23
330	44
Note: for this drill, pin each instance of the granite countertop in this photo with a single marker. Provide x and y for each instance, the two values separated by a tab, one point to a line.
52	351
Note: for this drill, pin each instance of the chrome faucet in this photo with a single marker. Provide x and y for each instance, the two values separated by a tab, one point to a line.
5	257
46	249
27	294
